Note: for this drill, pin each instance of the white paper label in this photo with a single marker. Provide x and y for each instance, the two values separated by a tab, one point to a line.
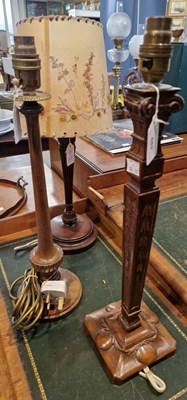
152	140
133	166
70	154
17	125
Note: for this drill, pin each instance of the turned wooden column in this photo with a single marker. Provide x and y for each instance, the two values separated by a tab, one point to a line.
73	231
69	216
46	257
127	334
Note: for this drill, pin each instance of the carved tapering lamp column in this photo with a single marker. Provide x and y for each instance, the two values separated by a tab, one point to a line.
46	257
74	72
127	334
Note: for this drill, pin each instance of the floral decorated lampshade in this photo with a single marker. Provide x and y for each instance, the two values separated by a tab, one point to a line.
74	72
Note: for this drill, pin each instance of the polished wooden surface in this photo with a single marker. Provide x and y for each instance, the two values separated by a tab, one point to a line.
126	353
91	161
102	162
9	148
17	196
25	219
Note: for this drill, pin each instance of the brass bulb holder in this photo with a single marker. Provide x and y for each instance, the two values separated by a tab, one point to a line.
155	52
26	63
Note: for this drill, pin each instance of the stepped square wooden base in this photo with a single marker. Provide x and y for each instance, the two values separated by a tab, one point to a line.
126	353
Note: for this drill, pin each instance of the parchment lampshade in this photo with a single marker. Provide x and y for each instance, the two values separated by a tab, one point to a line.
73	71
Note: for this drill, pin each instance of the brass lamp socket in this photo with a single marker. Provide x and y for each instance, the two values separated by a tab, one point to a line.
155	52
118	43
26	63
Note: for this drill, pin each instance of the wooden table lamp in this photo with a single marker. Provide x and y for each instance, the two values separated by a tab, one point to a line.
46	257
74	72
127	334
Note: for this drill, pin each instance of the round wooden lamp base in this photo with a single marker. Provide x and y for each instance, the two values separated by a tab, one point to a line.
74	294
74	237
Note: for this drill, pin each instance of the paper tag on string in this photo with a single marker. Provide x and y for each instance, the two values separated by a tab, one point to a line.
152	140
16	116
70	154
153	131
17	124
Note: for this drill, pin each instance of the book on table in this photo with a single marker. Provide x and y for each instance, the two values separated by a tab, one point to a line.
119	140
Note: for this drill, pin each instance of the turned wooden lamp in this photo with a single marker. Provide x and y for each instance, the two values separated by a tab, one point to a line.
128	336
74	72
46	257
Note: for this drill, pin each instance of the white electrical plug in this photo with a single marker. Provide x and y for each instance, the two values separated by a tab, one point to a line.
54	292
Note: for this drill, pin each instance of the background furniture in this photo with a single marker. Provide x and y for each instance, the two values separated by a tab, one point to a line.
34	8
176	76
9	148
97	168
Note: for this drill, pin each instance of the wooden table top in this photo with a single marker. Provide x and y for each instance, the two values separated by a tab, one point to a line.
9	148
104	162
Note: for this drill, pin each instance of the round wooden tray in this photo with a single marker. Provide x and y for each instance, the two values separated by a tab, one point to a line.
13	196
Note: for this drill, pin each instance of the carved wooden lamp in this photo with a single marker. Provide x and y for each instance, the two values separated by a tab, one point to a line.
46	257
127	334
74	72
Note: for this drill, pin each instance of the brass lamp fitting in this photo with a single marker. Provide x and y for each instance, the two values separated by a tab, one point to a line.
155	52
26	63
118	43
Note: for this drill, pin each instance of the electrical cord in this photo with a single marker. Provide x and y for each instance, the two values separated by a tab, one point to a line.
157	383
27	245
29	303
